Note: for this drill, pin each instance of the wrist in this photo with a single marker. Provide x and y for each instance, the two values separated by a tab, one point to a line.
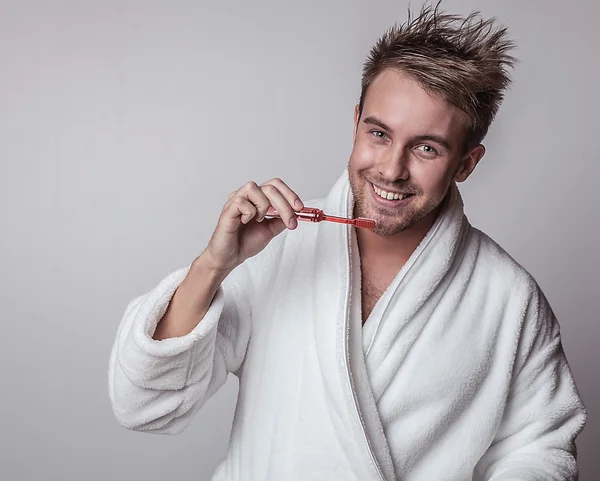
206	269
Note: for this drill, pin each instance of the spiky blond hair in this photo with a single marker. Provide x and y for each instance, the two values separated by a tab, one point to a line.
464	60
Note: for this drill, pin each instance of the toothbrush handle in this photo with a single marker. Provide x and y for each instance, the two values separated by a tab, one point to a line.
308	214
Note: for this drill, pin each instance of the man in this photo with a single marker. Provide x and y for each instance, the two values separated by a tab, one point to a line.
418	351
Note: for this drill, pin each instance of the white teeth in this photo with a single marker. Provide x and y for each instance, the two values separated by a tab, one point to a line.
388	195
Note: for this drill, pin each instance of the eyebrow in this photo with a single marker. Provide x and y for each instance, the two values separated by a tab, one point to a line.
420	138
375	121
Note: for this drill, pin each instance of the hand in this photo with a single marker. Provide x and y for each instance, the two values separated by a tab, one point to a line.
242	231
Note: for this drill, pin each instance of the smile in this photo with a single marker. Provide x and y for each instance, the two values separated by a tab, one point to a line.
389	195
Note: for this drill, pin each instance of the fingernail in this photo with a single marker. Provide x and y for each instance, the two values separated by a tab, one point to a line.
294	223
298	204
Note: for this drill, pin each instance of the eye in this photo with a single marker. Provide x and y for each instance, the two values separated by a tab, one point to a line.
427	150
379	134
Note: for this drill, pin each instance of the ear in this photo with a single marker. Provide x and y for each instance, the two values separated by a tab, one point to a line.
469	162
356	119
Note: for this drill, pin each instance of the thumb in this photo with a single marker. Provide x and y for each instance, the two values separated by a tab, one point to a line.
276	226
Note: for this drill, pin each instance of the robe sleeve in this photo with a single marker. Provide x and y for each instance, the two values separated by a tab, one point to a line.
158	386
544	413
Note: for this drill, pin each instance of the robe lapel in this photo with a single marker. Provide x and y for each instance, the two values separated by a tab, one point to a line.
337	297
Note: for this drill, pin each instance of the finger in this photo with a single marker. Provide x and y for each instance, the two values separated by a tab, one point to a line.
239	209
281	204
291	196
257	197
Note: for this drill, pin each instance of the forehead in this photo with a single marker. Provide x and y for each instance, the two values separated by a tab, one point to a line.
405	106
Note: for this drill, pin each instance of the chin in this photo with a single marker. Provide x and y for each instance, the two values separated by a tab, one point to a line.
390	220
390	226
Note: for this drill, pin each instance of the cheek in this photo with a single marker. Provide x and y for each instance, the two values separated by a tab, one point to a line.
362	156
431	178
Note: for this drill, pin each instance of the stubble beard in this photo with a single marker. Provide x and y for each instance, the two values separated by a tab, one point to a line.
389	221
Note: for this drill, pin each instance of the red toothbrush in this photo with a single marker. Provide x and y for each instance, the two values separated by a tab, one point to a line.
311	214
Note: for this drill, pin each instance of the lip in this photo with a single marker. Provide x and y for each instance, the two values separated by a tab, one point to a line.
389	203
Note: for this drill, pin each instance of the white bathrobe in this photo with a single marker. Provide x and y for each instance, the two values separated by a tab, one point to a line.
458	374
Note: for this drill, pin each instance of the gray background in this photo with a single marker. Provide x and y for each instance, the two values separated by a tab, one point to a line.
123	127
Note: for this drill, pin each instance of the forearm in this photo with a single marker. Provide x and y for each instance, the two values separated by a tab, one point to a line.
191	300
157	385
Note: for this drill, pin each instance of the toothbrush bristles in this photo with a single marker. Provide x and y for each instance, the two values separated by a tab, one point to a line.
364	223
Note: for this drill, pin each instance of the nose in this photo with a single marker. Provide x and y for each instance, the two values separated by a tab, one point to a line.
393	166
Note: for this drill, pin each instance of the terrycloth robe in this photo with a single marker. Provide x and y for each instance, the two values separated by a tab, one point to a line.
458	373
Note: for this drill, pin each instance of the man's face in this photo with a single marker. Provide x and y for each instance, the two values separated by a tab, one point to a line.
407	144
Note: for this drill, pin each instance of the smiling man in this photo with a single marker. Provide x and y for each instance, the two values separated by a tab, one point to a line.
409	146
418	351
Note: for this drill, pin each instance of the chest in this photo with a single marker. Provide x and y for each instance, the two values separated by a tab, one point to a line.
374	282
